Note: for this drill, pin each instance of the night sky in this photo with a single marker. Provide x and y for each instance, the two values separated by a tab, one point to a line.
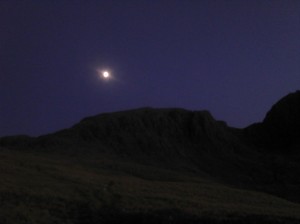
233	58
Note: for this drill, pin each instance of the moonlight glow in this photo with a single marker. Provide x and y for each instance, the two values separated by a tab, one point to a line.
105	74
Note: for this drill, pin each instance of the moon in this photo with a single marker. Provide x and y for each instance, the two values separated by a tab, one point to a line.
105	74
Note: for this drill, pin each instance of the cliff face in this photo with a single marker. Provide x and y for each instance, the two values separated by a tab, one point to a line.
168	137
153	130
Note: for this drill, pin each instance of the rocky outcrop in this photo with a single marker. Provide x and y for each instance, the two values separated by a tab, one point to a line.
281	127
147	131
283	122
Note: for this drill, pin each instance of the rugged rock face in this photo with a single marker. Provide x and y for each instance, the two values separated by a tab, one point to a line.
164	136
139	129
153	129
281	127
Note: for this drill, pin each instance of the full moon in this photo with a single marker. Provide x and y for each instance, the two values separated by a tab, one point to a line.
105	74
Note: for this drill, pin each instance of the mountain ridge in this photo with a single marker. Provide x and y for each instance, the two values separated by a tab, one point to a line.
155	159
178	139
173	138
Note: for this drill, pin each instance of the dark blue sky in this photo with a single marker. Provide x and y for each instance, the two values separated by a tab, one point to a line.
233	58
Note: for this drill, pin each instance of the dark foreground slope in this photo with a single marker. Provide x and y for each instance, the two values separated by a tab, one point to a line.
156	166
50	188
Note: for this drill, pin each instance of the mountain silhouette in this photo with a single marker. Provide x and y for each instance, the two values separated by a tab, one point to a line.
173	138
148	131
164	145
179	139
280	129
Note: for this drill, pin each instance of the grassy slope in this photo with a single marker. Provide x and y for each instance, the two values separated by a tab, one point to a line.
44	188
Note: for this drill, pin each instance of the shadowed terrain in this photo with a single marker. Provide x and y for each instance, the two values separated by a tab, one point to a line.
156	166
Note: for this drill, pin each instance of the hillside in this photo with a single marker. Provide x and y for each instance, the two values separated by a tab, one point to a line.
154	166
168	138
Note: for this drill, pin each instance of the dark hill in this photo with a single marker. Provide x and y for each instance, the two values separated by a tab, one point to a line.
184	140
170	138
140	162
152	132
280	129
141	131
